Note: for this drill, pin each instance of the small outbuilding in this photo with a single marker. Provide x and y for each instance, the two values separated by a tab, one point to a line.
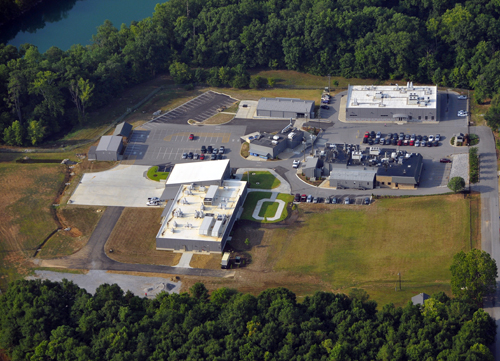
269	146
124	129
420	299
285	108
109	148
352	178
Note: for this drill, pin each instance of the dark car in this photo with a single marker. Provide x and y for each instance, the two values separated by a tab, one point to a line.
419	138
372	134
209	149
325	107
365	140
395	136
445	160
334	200
370	141
407	137
190	155
367	200
297	197
203	149
213	157
303	198
429	144
219	156
394	142
435	143
425	138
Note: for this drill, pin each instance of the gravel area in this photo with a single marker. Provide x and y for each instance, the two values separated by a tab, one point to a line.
460	167
138	285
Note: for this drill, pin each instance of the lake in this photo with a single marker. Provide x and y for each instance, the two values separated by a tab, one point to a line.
63	23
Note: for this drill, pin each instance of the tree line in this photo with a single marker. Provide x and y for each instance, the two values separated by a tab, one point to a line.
44	320
450	43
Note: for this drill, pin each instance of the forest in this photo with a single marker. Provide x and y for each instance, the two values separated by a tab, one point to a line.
445	42
44	320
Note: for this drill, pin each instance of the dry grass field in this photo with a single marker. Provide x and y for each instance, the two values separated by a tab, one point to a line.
208	261
133	238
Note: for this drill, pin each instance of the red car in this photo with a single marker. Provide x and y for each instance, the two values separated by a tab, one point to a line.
412	143
191	136
400	142
445	160
367	134
202	156
303	198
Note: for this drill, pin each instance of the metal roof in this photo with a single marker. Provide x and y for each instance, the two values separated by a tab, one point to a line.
420	298
406	173
91	153
353	174
109	143
286	105
124	129
195	172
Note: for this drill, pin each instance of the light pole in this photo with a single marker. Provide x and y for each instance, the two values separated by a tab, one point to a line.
328	82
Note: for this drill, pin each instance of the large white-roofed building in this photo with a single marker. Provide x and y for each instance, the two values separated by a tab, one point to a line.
392	103
201	173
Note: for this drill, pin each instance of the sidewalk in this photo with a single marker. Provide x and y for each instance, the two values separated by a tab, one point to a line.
284	187
277	215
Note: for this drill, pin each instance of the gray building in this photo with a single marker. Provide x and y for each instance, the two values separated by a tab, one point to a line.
390	103
91	155
312	167
109	148
200	218
403	174
285	108
420	299
352	178
124	129
269	146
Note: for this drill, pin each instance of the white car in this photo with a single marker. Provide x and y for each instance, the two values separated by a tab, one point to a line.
461	113
347	201
462	97
431	138
154	199
438	137
417	143
296	163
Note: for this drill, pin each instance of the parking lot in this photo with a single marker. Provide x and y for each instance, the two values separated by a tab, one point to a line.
200	108
165	143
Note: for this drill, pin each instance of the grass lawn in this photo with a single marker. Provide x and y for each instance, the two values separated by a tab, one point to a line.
219	118
153	174
133	239
268	209
261	180
251	202
367	247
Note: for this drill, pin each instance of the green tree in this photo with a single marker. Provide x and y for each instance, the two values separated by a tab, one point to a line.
180	72
456	184
36	132
473	275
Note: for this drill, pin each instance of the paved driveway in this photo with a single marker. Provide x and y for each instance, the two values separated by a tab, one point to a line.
124	186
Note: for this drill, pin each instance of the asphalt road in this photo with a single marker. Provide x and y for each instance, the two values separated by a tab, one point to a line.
93	257
488	186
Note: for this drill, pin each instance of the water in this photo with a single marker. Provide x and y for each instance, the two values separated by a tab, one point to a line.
63	23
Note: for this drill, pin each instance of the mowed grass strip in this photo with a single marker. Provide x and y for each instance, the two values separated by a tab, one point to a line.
153	174
261	180
369	246
133	239
268	209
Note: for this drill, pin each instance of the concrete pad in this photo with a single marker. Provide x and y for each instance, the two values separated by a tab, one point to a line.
185	260
138	285
123	186
249	111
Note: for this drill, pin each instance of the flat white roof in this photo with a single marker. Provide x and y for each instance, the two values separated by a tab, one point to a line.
406	96
195	172
190	202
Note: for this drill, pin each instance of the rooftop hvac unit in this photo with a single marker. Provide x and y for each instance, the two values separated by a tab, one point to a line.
175	224
276	137
291	135
274	142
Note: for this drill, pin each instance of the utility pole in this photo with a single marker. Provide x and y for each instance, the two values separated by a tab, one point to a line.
399	274
328	82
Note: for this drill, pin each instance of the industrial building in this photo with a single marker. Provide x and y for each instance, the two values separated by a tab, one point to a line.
404	173
108	149
200	218
285	108
392	103
353	178
201	173
270	146
123	129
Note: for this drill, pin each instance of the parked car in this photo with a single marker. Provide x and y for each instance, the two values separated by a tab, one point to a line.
297	197
367	200
327	200
203	149
394	142
222	149
347	200
372	134
303	198
462	113
209	149
419	138
309	198
220	156
196	156
407	137
417	143
462	97
190	155
445	160
429	143
367	135
431	138
334	200
438	137
315	200
412	143
370	141
153	199
413	137
401	136
425	138
395	136
400	142
365	140
191	136
379	134
215	151
423	143
184	155
296	163
325	107
213	157
202	156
